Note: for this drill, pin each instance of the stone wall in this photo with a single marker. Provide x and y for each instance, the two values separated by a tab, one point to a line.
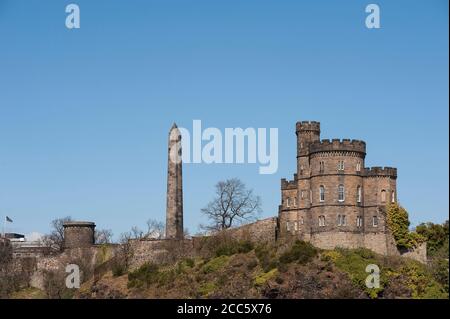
159	251
264	230
419	253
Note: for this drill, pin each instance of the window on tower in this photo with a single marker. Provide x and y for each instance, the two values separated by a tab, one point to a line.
322	221
321	193
383	196
341	193
375	221
358	194
359	221
342	221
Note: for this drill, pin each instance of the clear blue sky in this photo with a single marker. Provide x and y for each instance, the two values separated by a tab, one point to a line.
84	114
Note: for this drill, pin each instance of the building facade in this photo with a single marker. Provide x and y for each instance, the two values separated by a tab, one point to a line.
333	199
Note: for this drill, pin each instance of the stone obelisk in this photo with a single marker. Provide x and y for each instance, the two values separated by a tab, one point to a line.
174	208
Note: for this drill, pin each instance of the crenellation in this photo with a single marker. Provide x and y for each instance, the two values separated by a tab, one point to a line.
327	145
380	171
338	202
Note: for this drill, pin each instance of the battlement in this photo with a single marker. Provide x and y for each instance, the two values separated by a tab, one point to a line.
338	145
307	126
285	184
380	171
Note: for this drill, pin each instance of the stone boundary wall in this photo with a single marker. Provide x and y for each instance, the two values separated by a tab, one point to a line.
159	251
419	253
264	230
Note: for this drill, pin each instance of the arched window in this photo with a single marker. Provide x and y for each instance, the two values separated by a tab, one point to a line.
321	193
393	197
322	221
295	226
288	202
342	221
294	201
321	167
358	167
301	169
341	193
288	228
358	194
302	221
383	196
359	221
341	166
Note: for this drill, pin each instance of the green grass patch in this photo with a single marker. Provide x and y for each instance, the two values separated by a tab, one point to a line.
207	289
215	264
262	278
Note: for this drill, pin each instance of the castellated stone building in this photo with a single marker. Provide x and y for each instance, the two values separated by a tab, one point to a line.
333	199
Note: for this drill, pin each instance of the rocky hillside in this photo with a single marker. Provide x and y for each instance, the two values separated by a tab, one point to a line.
240	270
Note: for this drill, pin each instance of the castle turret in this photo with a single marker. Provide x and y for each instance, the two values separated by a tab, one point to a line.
174	210
307	133
78	234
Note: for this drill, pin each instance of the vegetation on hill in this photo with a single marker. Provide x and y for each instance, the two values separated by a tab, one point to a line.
228	268
398	223
239	269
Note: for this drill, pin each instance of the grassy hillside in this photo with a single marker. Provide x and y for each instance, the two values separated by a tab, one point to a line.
298	270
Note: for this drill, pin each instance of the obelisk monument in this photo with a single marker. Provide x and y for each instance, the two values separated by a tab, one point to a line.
174	208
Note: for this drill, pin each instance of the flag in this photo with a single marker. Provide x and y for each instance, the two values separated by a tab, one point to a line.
8	219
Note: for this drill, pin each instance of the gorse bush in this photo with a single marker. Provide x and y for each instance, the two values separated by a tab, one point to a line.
215	264
266	257
301	252
232	247
144	275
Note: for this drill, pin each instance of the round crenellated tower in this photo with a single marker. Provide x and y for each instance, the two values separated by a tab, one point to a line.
337	184
307	133
78	234
333	199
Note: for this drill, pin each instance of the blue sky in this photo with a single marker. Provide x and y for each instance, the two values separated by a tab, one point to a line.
84	114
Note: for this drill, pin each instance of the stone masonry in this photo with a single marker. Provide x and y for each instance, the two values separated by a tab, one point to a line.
333	199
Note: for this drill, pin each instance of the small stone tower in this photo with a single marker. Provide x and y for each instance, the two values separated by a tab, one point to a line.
174	210
78	234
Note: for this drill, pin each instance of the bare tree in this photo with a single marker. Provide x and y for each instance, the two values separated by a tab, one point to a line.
124	253
155	229
233	204
56	236
136	233
103	236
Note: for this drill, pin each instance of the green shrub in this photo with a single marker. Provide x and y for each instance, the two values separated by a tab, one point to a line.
266	257
206	289
215	264
262	278
144	275
118	269
231	247
301	252
398	223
